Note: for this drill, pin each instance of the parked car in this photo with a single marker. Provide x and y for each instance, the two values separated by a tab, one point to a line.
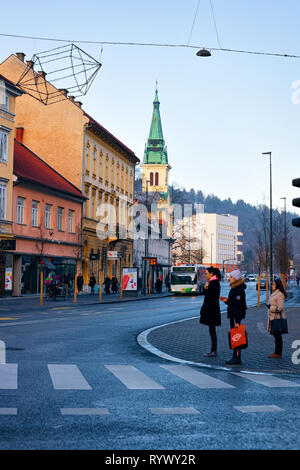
263	284
250	278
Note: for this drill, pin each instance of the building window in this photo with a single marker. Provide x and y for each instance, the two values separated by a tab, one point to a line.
3	146
20	210
94	162
4	101
151	178
48	216
2	201
87	159
122	178
101	165
126	181
60	212
93	203
107	169
156	179
71	221
86	204
112	172
35	213
118	175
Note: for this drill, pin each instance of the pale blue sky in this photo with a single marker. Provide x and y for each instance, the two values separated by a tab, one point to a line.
218	113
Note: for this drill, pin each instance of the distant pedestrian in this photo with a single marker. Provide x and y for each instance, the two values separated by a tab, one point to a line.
210	313
158	285
276	311
167	281
79	283
236	308
92	283
114	285
107	283
297	279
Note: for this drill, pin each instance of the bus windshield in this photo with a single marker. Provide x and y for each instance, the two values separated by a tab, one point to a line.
183	279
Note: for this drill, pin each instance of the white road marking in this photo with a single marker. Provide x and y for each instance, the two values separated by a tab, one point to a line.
174	411
196	378
259	409
67	377
84	411
133	379
9	376
2	352
267	380
8	411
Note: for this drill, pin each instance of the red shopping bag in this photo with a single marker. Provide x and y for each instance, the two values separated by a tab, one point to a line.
238	337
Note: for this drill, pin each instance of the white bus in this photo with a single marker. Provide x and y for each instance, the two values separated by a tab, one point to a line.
188	279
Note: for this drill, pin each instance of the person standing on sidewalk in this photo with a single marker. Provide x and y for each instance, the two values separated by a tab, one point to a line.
79	283
276	310
92	283
210	313
236	308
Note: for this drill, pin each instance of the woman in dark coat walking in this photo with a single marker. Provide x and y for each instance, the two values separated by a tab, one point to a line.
210	313
236	308
92	283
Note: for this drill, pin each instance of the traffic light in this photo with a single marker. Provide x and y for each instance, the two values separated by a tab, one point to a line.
296	202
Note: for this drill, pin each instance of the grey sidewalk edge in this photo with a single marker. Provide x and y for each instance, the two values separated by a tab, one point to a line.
142	340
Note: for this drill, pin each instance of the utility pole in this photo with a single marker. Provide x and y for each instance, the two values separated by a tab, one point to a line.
285	238
271	221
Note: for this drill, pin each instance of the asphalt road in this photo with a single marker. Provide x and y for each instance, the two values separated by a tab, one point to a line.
76	378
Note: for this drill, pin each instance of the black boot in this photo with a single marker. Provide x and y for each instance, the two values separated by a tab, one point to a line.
236	358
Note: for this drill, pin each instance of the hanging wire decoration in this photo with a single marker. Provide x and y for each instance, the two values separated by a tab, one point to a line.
51	75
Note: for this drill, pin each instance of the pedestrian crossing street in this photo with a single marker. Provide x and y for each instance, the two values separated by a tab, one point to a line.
70	377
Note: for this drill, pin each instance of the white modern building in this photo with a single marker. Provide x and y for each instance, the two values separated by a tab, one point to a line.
221	243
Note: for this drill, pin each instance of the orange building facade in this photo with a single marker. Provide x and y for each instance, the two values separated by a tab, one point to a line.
47	212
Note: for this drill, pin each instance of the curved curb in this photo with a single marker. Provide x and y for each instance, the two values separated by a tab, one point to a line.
143	341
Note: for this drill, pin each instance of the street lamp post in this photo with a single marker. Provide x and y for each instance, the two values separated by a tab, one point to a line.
285	237
271	224
146	240
211	235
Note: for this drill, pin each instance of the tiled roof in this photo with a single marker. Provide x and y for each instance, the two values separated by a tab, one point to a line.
30	167
112	138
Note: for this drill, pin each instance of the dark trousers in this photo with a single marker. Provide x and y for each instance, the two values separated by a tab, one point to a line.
213	335
278	344
236	351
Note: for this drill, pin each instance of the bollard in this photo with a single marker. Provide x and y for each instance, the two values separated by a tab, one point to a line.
41	288
75	288
258	290
100	286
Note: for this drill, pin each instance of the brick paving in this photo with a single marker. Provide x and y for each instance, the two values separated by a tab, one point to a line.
189	340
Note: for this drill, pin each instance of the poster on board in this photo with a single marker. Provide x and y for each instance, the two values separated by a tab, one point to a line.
130	279
8	279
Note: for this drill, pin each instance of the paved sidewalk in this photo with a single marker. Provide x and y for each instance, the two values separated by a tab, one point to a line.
83	299
188	340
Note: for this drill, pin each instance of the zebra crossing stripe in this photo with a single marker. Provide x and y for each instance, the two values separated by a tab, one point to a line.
84	411
174	411
267	380
8	376
196	378
67	377
258	409
132	378
8	411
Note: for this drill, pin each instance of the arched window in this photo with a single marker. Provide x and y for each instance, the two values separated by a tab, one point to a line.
151	178
156	179
87	158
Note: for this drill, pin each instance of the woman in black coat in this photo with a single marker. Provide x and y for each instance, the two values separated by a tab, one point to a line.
210	313
236	308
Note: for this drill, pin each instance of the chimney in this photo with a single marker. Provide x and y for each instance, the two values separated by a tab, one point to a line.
72	98
41	73
78	103
19	134
21	56
29	64
63	91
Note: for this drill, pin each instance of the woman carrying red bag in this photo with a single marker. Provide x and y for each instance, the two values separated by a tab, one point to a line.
236	308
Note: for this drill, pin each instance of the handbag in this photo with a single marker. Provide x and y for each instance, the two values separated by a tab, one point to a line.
238	337
279	326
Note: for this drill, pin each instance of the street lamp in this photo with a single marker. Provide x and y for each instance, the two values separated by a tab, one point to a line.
203	53
285	238
271	225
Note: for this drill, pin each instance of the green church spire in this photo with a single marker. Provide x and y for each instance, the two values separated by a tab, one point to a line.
155	151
